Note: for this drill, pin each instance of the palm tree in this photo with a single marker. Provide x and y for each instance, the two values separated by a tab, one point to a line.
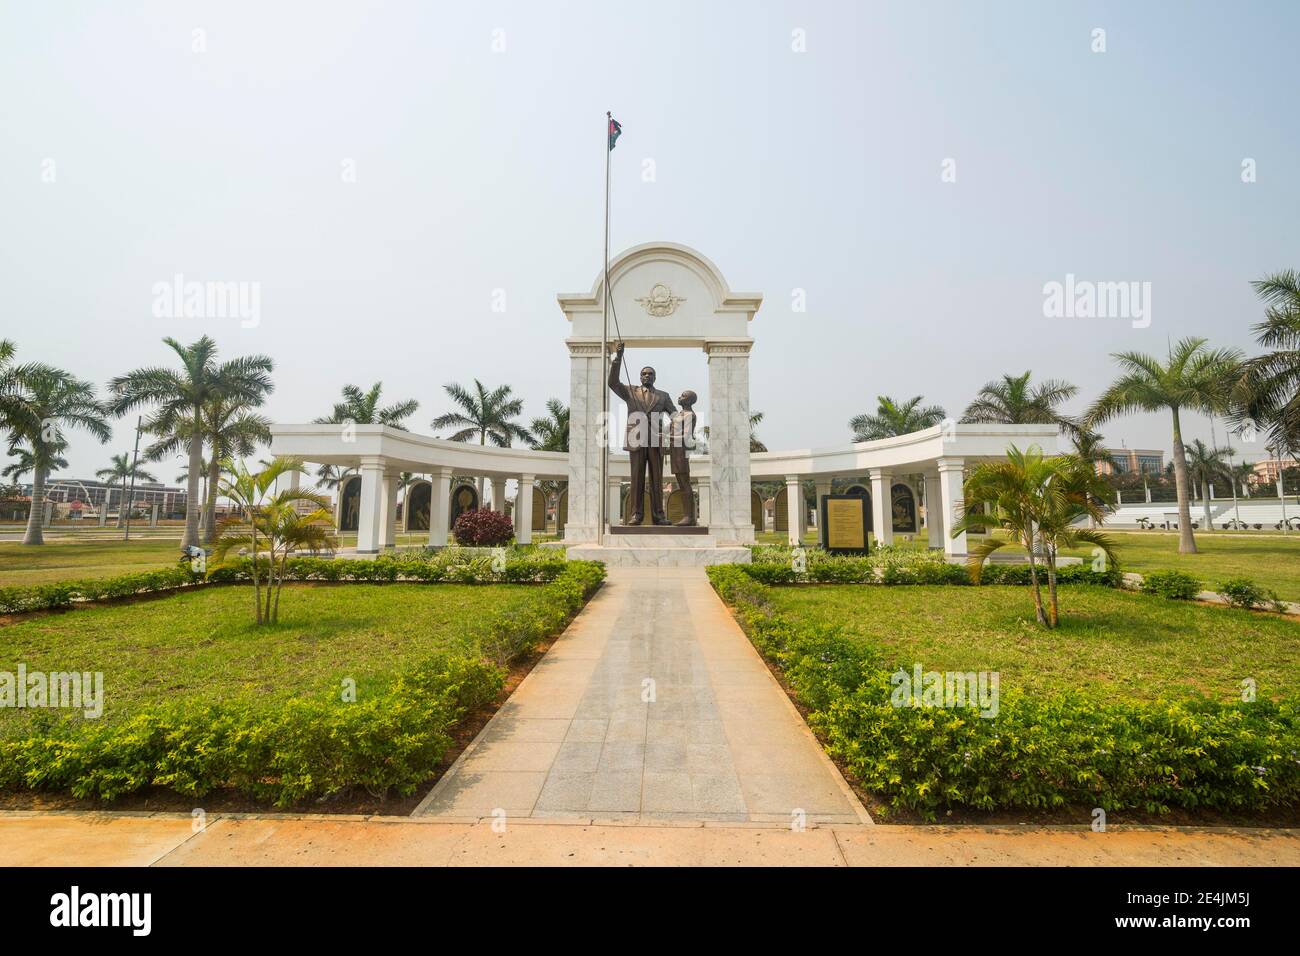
270	522
1241	475
552	432
122	470
754	443
1204	465
181	398
231	429
363	408
893	419
1013	401
46	401
485	414
25	463
1195	378
1272	381
1038	502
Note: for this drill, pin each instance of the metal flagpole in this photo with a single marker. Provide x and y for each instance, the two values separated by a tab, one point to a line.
603	502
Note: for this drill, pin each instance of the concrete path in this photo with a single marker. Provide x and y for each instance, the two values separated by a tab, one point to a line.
132	839
652	706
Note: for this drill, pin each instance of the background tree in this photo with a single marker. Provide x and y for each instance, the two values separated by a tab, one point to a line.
181	396
1012	400
893	419
1205	465
755	444
46	403
363	408
551	433
121	470
1195	378
488	415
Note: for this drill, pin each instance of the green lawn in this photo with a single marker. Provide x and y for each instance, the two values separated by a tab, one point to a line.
1122	643
87	558
1272	560
203	644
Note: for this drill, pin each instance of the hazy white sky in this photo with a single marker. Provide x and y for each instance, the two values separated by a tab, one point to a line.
479	168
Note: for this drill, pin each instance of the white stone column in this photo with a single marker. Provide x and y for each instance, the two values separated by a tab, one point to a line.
371	513
524	510
706	502
392	483
793	508
586	372
153	515
439	505
953	503
730	522
933	511
823	488
613	501
489	499
882	505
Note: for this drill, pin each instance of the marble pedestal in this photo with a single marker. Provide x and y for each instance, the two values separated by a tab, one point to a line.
646	549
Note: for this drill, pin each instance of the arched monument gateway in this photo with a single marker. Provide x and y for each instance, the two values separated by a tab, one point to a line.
664	295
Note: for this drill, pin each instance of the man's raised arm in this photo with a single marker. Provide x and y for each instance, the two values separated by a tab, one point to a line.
616	366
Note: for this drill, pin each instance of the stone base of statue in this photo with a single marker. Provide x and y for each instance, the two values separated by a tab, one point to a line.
659	546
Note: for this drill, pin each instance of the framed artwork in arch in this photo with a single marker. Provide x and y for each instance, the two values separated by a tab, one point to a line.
844	523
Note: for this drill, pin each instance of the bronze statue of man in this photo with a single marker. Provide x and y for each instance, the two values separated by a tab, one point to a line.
644	438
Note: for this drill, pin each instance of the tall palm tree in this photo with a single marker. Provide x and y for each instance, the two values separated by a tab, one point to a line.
552	432
893	419
231	428
26	462
363	408
489	415
180	397
1242	473
1271	383
1204	466
48	401
1013	401
1037	501
122	470
1195	378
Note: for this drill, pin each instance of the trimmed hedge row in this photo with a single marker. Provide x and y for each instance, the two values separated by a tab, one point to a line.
465	569
1038	752
300	749
841	569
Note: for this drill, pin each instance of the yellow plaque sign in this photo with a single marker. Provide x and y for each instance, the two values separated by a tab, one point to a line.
845	523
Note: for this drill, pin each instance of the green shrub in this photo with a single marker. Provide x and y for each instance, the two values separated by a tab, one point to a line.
297	750
1175	585
1243	592
1038	752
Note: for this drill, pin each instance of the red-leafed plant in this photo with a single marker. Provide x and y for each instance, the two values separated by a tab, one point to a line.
483	528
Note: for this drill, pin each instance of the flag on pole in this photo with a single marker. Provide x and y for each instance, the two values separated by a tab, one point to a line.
614	130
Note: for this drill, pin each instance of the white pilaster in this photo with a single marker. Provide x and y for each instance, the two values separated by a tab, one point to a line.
882	506
823	489
794	507
524	510
933	511
613	501
706	502
729	442
586	432
439	505
370	519
953	503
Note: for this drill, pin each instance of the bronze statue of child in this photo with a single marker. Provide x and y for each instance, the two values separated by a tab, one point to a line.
681	439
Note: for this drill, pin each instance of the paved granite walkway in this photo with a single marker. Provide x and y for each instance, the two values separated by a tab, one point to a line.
652	706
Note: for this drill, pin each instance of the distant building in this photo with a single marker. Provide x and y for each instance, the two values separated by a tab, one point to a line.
1133	461
91	493
1268	469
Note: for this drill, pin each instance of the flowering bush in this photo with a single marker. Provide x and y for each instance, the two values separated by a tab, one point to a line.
483	528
